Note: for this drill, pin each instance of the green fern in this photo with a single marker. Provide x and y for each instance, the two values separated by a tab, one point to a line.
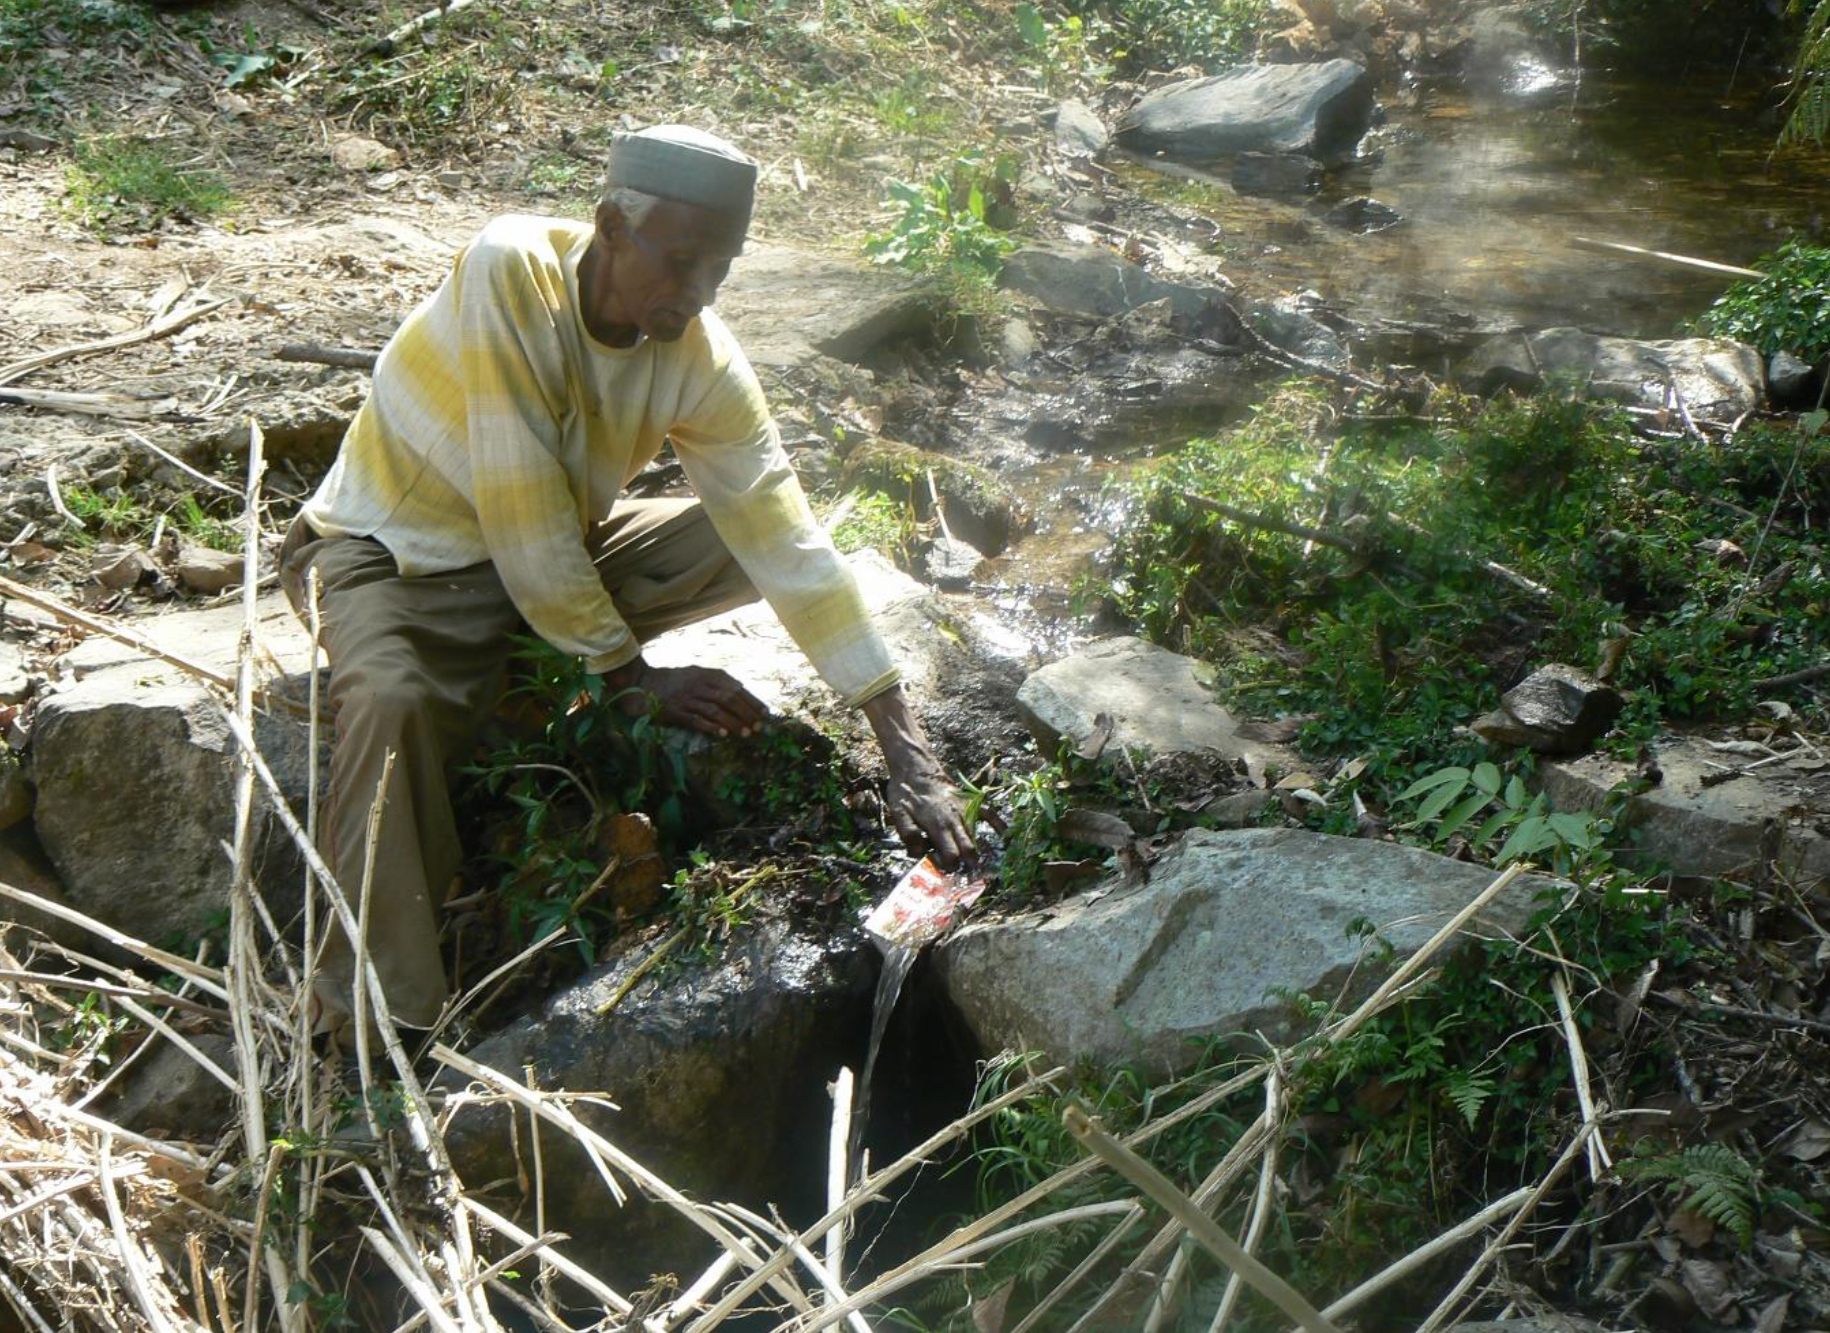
1715	1181
1809	121
1469	1092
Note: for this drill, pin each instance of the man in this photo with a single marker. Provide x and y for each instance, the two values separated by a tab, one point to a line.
477	491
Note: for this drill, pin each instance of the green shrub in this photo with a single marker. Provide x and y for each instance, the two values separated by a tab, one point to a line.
1160	34
123	183
945	221
1788	310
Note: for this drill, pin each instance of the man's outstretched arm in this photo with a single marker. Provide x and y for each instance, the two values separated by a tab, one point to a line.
922	805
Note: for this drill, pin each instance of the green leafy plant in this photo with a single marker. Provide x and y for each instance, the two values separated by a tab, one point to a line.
1159	34
118	183
1808	120
1710	1179
1787	310
1499	817
944	221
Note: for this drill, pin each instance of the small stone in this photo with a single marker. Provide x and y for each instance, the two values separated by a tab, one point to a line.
129	570
356	153
451	180
204	570
1017	342
951	563
1243	809
1723	551
1362	215
1078	132
1787	378
1555	710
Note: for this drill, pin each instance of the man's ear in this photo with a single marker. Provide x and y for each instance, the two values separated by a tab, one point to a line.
611	223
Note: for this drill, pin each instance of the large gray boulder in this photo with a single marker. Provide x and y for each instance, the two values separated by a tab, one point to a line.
1555	710
1142	972
135	774
718	1069
1091	280
1716	378
1319	110
1703	818
1160	703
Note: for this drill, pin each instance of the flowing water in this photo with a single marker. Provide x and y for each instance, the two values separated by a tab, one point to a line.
1491	190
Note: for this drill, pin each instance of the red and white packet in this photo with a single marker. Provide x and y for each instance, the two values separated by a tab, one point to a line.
922	906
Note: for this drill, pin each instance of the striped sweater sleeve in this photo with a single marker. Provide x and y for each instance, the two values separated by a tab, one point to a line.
733	456
516	396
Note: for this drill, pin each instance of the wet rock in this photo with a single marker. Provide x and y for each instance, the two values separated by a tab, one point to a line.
167	1094
962	688
1318	110
1789	380
125	571
1078	132
356	153
135	767
15	679
950	564
202	569
1555	710
1160	702
719	1069
1091	280
1363	216
1140	972
1703	819
1121	397
976	504
791	307
1275	175
1719	380
1285	325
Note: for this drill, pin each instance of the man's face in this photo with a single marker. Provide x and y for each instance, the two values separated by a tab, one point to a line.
666	271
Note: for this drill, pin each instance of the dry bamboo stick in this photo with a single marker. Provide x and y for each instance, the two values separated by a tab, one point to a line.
120	992
71	616
86	404
838	1168
1261	1202
133	1259
416	1285
180	464
612	1300
158	328
1687	261
1598	1158
1428	1253
828	1281
1501	1241
1080	1271
1199	1224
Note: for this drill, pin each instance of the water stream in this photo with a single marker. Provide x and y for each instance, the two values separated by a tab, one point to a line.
1490	189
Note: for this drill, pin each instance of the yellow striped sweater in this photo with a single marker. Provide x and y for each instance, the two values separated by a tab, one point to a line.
499	429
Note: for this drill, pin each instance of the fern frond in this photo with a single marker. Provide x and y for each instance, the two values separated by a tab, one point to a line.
1714	1181
1468	1092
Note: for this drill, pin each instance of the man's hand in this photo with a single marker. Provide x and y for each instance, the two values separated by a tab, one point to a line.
922	804
700	698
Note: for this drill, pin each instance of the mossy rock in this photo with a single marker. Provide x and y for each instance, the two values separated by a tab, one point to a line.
977	506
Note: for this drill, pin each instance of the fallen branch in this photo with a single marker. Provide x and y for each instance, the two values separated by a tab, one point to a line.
349	358
1266	523
158	328
1687	261
88	404
1429	1252
386	45
1792	678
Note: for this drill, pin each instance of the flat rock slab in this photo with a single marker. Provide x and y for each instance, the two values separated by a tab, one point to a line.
1142	973
1705	831
1319	110
1160	702
792	307
718	1069
1718	379
1093	281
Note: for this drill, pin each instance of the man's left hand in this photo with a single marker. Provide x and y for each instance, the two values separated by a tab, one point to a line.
921	803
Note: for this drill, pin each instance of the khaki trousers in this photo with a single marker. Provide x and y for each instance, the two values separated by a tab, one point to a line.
417	666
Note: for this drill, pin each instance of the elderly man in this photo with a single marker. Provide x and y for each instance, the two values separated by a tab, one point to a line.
478	491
